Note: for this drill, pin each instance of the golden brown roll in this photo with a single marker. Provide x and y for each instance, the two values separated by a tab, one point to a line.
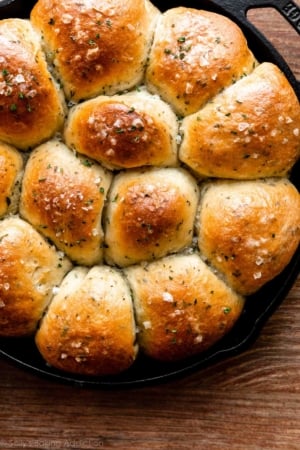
63	197
194	56
31	105
11	171
96	47
124	131
251	130
249	230
89	326
157	156
30	271
182	307
150	214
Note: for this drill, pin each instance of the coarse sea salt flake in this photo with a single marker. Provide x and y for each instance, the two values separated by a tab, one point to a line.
55	290
167	297
66	18
19	78
198	339
147	324
94	232
259	261
189	88
91	120
243	126
76	344
273	132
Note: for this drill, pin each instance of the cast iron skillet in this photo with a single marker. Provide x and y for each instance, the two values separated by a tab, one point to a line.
262	304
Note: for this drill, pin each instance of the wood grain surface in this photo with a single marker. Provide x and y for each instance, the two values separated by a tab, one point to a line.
250	401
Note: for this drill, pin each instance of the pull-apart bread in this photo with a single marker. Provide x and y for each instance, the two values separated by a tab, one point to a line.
145	193
31	103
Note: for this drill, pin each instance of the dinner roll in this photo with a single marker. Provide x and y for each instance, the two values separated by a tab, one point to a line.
149	214
195	55
31	106
124	131
250	130
11	170
96	47
30	270
181	306
249	230
89	326
63	197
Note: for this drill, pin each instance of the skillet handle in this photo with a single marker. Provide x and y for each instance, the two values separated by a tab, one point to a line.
288	8
290	11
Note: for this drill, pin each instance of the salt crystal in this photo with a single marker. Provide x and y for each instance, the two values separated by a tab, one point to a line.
259	261
55	290
198	339
147	324
19	78
167	297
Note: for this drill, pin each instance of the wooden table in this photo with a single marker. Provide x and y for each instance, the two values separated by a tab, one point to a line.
250	401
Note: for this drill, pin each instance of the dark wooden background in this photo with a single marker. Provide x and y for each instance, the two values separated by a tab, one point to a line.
250	401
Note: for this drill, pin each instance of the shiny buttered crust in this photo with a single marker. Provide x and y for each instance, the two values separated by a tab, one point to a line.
31	105
195	54
11	171
149	215
63	198
30	271
182	307
251	130
152	196
89	327
96	47
124	131
249	230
